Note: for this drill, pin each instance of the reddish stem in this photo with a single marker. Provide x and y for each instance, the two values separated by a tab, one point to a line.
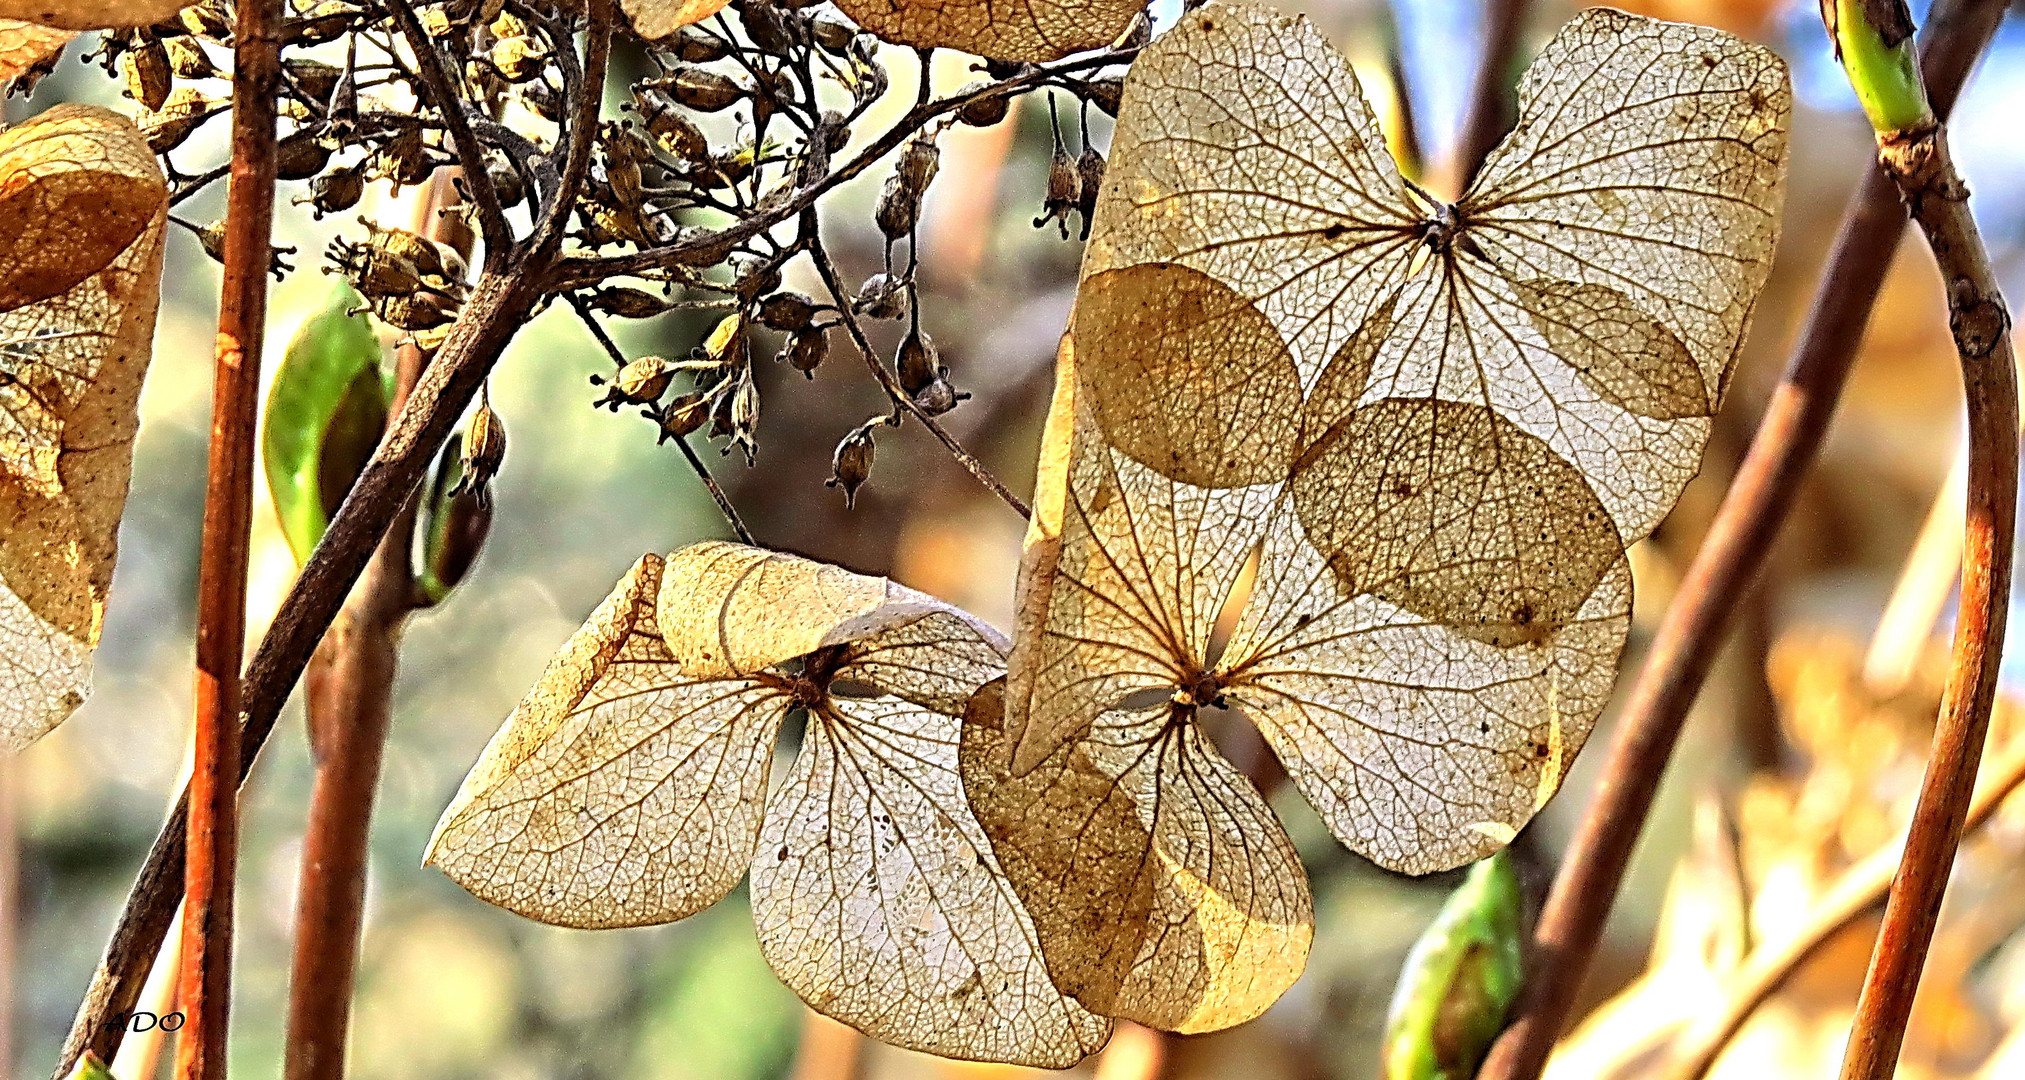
221	575
1919	162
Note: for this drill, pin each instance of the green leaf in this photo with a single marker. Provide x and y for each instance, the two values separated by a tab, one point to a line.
1460	979
90	1067
325	413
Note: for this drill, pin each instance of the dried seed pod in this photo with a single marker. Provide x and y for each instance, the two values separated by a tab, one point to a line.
1089	181
1104	94
851	464
148	72
436	23
918	363
882	296
1062	190
754	277
723	336
624	151
696	47
453	529
517	59
300	156
404	158
627	302
324	22
181	114
543	100
787	311
484	451
414	311
208	20
294	111
506	24
771	28
744	415
640	382
506	180
701	89
899	209
835	130
677	136
919	163
684	414
807	350
317	80
923	376
212	239
833	36
985	111
439	262
189	60
336	190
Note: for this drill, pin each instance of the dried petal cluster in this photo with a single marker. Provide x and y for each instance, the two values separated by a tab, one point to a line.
82	214
1407	441
1324	451
630	787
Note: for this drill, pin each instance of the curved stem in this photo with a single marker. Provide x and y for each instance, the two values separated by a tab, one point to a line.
1919	162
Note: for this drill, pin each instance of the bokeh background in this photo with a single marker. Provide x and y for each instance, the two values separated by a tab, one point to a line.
1803	755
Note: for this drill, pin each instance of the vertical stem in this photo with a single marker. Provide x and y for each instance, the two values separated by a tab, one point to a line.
1493	107
1918	161
349	699
221	576
1723	572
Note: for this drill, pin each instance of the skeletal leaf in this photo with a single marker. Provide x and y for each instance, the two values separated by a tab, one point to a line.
24	44
1035	32
77	185
1406	441
71	367
630	787
92	14
657	19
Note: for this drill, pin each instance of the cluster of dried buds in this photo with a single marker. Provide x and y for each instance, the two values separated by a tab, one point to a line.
410	282
1072	185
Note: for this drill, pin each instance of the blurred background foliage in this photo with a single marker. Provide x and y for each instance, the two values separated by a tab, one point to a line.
1796	763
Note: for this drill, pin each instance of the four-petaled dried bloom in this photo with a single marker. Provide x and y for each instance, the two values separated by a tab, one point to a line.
882	296
484	450
851	465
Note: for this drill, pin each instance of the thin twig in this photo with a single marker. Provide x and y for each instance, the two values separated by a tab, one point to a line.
501	300
705	247
681	442
492	223
1493	106
213	816
812	235
1723	572
1857	892
1919	162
